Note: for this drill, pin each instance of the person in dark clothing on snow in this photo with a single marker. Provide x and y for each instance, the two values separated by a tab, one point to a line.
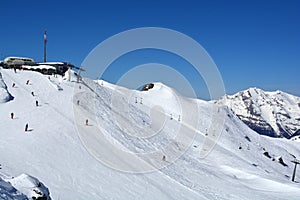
27	82
36	103
26	127
13	85
32	93
86	122
11	115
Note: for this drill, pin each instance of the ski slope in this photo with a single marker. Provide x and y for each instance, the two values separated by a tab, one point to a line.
76	161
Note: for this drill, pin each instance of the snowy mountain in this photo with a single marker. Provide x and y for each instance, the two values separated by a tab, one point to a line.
275	114
22	187
168	149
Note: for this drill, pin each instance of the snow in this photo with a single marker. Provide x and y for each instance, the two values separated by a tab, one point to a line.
76	161
4	94
8	192
277	110
17	58
38	67
256	182
51	63
24	184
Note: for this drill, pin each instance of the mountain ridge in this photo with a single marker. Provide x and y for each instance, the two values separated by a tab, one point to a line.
274	114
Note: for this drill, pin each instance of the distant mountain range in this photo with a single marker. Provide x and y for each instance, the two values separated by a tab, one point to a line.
275	114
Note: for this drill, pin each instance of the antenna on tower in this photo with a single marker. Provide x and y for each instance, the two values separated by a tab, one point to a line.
45	42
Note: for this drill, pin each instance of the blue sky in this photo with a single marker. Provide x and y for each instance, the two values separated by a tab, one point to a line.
253	43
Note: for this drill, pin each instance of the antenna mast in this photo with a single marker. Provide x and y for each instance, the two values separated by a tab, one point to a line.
45	42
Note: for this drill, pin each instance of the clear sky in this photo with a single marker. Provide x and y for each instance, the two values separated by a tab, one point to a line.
253	43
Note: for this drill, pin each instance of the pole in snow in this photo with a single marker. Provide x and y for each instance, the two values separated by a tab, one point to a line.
294	172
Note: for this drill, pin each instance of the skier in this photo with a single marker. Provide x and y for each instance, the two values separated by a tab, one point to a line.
11	115
86	122
13	85
78	102
27	82
36	103
26	127
164	158
15	69
32	93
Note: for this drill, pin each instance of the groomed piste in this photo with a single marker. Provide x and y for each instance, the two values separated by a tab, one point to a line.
59	151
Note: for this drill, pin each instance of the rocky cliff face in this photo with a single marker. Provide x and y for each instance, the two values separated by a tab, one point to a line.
275	114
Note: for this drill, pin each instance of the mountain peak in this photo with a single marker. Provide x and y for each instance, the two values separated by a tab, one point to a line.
274	114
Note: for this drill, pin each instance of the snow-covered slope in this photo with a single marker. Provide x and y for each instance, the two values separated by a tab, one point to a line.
70	158
8	192
22	187
275	114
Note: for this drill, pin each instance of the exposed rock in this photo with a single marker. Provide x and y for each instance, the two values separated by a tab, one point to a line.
274	114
